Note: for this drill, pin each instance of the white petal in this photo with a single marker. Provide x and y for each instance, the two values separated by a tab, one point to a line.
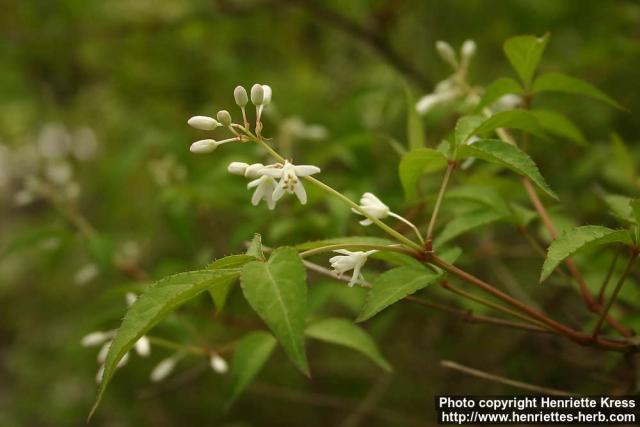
257	195
253	170
143	347
300	192
366	222
274	172
278	192
306	170
131	298
94	338
218	364
253	183
102	354
162	369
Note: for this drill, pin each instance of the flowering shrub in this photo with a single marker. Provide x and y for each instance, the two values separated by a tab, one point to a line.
496	124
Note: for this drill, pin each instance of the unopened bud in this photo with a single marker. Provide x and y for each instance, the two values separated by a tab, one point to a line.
468	50
224	117
162	369
94	338
203	146
203	122
252	170
257	94
446	52
218	364
237	168
240	95
267	95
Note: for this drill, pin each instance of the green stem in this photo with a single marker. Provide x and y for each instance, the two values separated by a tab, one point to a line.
328	248
616	291
436	208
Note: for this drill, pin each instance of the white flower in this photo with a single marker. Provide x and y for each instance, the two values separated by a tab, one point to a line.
208	145
507	102
372	206
163	369
349	261
447	53
289	175
203	122
467	51
264	189
58	172
218	364
445	91
86	274
143	346
96	338
85	144
54	141
237	168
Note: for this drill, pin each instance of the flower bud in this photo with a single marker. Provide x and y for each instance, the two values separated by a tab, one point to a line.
240	95
94	338
237	168
257	94
224	117
203	146
218	364
203	122
446	52
162	369
467	51
143	346
266	89
252	170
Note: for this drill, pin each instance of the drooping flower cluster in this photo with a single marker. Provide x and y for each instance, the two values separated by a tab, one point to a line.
348	260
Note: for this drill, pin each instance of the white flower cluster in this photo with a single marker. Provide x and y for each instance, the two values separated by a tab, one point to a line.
265	184
260	98
455	87
104	339
49	160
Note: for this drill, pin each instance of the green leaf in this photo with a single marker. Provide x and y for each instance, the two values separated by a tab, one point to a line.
393	285
624	160
255	248
496	90
524	53
483	195
577	239
151	307
417	162
465	127
277	291
467	222
558	124
558	82
512	119
220	292
32	237
250	355
343	332
635	208
620	207
509	156
351	240
415	128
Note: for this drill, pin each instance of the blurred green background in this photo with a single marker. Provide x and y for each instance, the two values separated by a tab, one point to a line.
117	80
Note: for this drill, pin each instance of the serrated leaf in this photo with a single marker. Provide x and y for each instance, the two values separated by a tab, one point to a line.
415	127
277	292
393	285
151	307
417	162
524	53
465	127
351	240
255	248
509	156
620	207
250	355
467	222
220	292
577	239
497	89
558	82
512	119
343	332
558	124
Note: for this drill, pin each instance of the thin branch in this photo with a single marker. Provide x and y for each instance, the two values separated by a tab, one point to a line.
369	403
502	380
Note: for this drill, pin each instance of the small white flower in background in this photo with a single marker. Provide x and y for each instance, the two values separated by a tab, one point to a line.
58	172
50	244
467	51
163	368
445	91
469	161
128	254
289	175
167	170
349	261
203	122
295	126
53	141
85	144
218	364
86	274
96	338
507	102
71	190
447	53
372	206
265	187
24	197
